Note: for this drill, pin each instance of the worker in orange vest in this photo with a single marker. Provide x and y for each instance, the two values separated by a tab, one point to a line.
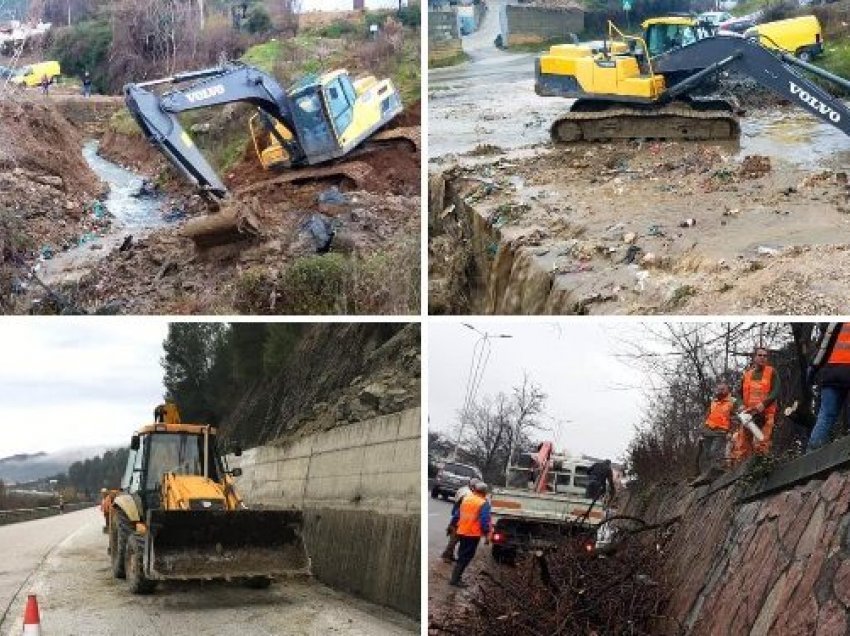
759	392
451	532
831	370
715	435
472	520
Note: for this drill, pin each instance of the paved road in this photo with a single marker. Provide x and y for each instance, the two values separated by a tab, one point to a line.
63	560
23	548
439	512
488	100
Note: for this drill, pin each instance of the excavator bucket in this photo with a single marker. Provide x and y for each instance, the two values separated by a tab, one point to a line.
215	544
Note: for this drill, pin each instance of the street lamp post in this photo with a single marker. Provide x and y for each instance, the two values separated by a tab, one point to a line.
480	357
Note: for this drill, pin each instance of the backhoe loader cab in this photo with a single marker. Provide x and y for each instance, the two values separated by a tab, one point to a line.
178	515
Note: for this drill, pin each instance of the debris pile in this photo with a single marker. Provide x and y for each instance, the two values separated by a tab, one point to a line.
570	590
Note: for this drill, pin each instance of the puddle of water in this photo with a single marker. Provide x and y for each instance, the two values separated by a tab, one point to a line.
794	137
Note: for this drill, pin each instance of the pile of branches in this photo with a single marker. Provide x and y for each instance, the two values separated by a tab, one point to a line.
571	590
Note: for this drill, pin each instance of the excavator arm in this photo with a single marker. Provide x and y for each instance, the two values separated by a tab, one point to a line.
233	82
773	70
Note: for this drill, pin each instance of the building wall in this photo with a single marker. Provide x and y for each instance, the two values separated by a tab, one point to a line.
359	487
443	36
531	25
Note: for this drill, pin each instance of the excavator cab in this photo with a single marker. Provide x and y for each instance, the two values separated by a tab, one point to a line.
331	113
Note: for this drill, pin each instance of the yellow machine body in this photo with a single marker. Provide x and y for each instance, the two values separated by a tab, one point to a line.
601	74
356	109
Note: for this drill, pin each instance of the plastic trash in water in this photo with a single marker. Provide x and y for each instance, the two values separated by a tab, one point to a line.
174	214
98	209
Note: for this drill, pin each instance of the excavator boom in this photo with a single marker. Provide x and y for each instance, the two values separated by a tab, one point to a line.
157	114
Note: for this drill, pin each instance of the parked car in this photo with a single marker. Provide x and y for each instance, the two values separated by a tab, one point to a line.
736	25
714	18
801	36
451	477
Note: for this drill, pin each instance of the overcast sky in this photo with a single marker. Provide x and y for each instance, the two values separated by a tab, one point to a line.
342	5
594	401
71	382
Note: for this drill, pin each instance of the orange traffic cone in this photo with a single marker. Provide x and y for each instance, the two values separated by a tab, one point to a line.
32	620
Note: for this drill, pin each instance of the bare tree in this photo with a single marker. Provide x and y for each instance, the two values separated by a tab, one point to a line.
289	16
495	427
682	363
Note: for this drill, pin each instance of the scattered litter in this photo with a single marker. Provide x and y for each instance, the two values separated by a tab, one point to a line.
631	254
46	252
174	214
764	250
126	244
332	196
688	223
629	237
321	230
655	230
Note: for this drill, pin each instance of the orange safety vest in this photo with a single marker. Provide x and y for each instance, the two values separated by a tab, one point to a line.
756	391
469	522
719	417
840	353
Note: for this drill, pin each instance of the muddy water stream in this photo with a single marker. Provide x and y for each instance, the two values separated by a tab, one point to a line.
131	215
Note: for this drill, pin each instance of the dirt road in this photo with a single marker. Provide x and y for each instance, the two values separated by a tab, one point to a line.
63	560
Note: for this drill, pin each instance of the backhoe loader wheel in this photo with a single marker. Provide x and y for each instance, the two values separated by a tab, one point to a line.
117	546
135	567
258	582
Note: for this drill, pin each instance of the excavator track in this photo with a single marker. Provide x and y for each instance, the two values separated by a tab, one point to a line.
678	121
349	172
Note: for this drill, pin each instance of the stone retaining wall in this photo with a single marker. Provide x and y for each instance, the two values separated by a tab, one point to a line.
443	37
777	565
534	25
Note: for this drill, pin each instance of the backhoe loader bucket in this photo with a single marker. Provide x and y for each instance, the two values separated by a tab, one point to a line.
213	544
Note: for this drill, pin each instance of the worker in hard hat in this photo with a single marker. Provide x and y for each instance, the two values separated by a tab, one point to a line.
831	370
451	531
472	521
715	434
760	394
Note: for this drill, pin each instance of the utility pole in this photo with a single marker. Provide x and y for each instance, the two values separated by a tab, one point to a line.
480	357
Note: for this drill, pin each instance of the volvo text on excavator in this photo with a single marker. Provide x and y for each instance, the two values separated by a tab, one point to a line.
321	119
631	96
178	515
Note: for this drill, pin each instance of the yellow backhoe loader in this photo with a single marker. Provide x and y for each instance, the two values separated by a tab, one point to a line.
178	515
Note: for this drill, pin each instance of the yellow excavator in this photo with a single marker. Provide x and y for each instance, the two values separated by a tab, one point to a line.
178	515
323	119
621	92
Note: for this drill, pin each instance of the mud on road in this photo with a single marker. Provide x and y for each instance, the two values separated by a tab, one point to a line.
78	595
637	228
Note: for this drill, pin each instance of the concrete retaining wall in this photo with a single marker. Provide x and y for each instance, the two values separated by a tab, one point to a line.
359	487
533	25
443	36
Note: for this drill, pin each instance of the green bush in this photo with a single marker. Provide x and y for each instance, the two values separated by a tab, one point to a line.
315	285
84	47
410	16
258	20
